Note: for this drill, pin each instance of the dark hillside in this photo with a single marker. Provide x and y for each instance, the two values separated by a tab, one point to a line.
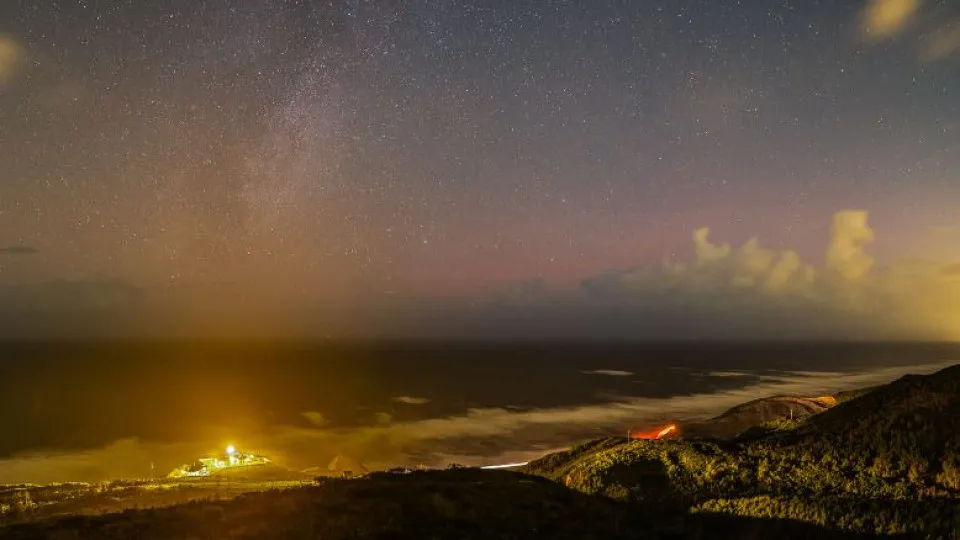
442	504
906	433
454	504
884	462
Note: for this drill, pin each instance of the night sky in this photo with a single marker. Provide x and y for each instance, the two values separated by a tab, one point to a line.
518	167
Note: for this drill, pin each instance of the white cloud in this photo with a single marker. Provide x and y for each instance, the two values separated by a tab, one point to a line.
708	252
846	257
411	400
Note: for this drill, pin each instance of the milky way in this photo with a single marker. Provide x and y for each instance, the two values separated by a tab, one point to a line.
370	151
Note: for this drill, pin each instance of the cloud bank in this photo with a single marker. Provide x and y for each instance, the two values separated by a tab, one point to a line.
776	292
722	292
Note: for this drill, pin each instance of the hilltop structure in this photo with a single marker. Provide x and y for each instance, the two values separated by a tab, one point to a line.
210	466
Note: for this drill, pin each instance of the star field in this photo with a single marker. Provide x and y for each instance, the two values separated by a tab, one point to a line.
443	149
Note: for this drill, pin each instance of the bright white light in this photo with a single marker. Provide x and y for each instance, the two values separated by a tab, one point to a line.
506	466
231	450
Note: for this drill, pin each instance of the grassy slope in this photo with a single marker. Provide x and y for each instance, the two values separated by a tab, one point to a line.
746	415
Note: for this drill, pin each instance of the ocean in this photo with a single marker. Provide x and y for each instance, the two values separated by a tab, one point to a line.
98	411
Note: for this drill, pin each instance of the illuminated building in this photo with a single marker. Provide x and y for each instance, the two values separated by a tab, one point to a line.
209	466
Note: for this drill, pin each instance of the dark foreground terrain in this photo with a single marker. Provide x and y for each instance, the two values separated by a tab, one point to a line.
884	462
466	503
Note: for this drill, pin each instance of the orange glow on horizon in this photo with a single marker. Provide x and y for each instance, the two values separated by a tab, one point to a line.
656	434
